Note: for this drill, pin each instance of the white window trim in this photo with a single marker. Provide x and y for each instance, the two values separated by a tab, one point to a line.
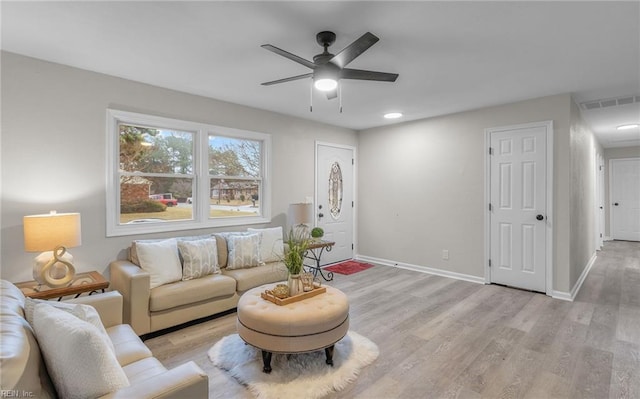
201	217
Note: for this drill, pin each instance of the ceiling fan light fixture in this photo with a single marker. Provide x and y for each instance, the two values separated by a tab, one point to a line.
325	84
628	127
393	115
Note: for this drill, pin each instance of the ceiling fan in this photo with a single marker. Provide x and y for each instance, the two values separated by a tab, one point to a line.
328	69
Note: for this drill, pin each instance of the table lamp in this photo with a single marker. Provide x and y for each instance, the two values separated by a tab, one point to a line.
301	218
52	233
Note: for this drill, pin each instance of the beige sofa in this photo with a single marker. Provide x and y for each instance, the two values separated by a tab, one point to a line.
152	309
23	372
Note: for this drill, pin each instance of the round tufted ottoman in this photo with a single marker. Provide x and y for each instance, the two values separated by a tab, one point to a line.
309	325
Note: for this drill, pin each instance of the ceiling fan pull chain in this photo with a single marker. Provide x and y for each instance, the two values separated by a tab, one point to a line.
311	96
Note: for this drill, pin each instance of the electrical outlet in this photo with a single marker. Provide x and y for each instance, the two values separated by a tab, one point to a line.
445	254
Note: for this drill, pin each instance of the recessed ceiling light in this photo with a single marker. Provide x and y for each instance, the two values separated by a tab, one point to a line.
627	127
393	115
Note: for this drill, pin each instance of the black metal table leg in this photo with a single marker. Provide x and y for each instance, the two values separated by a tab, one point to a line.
316	256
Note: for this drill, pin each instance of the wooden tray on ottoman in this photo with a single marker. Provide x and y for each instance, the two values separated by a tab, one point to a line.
295	298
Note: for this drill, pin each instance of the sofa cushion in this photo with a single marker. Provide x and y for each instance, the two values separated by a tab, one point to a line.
244	251
160	259
128	347
22	366
12	299
271	244
78	358
143	369
200	258
190	292
252	277
81	311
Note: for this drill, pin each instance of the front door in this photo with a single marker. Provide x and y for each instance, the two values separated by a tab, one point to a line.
625	199
335	199
518	206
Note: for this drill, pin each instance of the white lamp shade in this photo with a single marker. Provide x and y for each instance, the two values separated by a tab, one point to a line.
301	213
45	232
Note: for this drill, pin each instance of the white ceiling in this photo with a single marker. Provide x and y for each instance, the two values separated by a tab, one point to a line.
451	56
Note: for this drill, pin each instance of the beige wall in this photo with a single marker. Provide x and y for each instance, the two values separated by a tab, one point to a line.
609	154
584	147
421	187
53	151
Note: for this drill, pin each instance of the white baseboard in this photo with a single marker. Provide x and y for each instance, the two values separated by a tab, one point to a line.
421	269
571	296
606	238
562	295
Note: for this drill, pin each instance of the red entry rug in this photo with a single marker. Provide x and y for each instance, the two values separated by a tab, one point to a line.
348	267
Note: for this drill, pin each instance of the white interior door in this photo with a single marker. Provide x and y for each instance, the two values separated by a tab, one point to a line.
625	199
335	199
518	206
599	201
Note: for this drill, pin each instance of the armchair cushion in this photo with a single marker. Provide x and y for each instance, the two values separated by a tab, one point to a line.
80	362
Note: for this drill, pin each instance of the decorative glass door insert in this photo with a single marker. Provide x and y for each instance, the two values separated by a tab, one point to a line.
335	190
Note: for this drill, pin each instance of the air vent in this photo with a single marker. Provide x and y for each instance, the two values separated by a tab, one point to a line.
609	102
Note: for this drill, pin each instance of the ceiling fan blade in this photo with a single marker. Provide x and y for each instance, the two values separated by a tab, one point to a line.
360	74
332	94
288	55
353	50
273	82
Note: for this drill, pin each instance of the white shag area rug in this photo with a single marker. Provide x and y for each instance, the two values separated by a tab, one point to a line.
303	375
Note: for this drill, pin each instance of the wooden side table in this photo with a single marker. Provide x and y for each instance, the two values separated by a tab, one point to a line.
82	282
314	252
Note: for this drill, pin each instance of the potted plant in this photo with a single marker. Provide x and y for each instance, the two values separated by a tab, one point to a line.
298	244
317	233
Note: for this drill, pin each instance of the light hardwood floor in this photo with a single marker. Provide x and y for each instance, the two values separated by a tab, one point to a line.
444	338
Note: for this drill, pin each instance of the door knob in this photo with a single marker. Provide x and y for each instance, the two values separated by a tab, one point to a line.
616	204
539	217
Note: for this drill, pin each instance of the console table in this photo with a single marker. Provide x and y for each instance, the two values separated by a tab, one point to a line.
82	282
314	252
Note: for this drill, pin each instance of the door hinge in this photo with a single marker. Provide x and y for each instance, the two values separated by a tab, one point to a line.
489	262
490	150
352	246
352	204
490	207
353	161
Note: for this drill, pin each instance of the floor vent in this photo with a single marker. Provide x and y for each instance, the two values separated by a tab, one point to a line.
609	102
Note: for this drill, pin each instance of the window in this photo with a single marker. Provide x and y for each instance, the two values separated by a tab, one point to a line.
166	174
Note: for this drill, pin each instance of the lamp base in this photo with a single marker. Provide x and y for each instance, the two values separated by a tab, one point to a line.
54	268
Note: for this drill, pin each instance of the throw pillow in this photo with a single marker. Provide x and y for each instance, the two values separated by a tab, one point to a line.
243	251
271	243
77	356
160	259
200	258
83	312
